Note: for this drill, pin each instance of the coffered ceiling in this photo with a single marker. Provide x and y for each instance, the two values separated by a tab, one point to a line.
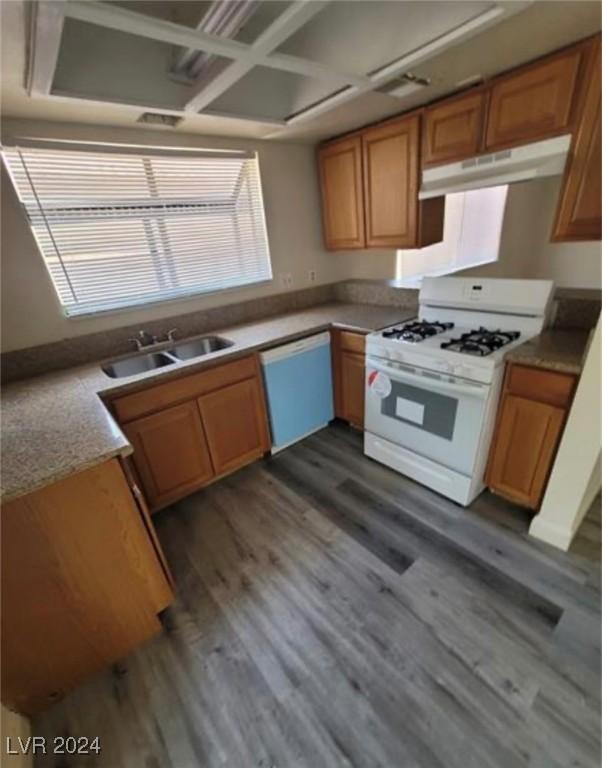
301	70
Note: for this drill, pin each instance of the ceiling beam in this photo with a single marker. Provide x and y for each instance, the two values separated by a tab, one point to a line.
470	28
293	18
134	23
47	19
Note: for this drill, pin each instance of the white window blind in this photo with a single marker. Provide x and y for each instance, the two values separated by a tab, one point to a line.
121	229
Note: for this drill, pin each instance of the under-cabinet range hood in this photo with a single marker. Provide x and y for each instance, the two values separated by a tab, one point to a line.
532	161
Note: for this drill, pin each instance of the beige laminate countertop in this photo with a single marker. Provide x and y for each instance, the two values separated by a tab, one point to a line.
557	350
57	424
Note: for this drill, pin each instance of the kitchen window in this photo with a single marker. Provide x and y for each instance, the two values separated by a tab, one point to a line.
125	228
471	236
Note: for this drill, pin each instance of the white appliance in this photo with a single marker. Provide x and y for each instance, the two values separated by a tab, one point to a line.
298	385
532	161
433	383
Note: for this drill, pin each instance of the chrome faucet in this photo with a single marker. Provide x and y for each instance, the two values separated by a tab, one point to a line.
143	339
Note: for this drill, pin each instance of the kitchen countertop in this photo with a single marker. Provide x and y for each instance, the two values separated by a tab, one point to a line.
557	350
57	424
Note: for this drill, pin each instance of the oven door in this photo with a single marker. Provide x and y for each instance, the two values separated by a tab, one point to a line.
435	415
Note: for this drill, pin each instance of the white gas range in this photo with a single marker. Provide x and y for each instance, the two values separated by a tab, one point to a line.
433	383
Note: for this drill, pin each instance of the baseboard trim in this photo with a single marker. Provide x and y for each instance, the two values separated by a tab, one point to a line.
557	535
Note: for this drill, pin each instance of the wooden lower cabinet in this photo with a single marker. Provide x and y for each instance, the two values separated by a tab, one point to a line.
530	422
353	368
220	426
170	452
81	584
235	425
349	371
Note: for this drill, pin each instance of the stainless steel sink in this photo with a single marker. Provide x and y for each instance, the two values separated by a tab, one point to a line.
198	347
130	366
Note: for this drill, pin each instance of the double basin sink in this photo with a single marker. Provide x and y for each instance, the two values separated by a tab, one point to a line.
187	350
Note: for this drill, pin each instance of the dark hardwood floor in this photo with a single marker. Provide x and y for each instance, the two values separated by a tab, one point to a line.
332	613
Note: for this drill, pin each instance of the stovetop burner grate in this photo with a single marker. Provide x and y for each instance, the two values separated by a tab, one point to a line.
417	330
480	342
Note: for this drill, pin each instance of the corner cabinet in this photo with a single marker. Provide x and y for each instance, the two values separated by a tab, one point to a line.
579	215
83	579
340	166
370	184
191	430
530	423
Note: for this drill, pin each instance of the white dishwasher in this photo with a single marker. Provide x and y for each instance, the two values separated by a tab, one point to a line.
298	383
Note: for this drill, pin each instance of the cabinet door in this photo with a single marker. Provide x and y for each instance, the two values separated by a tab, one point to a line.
352	387
81	585
340	166
579	215
453	130
527	437
394	217
535	102
170	453
235	423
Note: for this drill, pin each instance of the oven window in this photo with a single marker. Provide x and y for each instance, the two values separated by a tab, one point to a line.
430	411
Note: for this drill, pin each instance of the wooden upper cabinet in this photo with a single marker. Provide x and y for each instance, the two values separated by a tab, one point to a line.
535	102
170	453
579	215
235	423
394	216
453	129
340	165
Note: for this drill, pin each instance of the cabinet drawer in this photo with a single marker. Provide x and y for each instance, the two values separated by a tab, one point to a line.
186	388
541	385
352	342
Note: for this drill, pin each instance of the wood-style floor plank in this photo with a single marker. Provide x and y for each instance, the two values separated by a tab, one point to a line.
333	613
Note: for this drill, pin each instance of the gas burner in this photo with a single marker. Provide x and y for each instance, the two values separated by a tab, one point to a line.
416	331
480	342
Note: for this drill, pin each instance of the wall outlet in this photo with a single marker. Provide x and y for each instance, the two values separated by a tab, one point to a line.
286	279
312	275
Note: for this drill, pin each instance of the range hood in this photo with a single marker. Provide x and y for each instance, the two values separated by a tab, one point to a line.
532	161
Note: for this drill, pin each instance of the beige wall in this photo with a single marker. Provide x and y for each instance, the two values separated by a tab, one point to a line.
575	478
31	313
525	248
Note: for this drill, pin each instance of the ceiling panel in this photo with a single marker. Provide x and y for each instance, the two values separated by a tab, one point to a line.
359	37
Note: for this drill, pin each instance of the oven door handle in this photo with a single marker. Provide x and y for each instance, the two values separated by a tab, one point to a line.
445	387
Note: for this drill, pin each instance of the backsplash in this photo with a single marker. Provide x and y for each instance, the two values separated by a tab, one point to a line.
78	350
575	308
